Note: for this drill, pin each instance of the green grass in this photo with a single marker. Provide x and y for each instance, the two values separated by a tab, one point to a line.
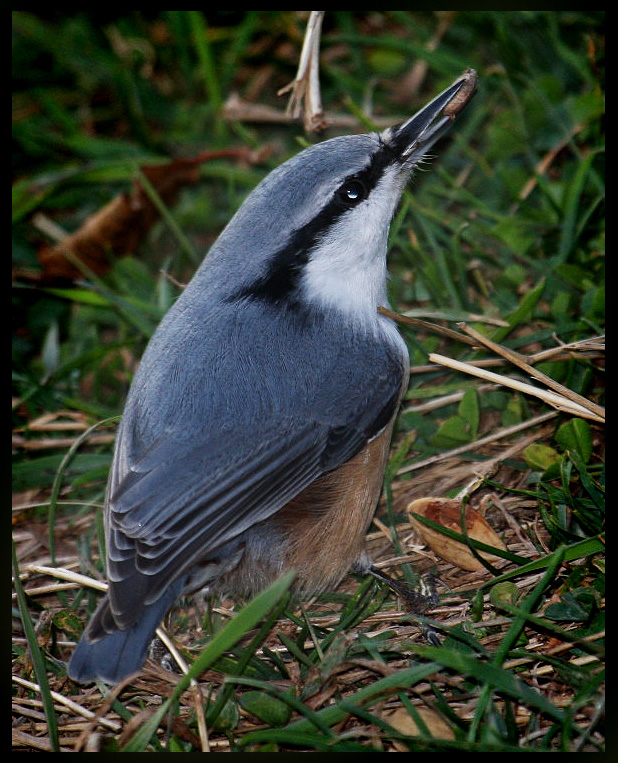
504	230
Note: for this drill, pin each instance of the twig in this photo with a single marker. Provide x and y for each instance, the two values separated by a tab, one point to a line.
440	402
592	346
66	702
557	401
485	470
521	362
306	86
88	737
63	574
21	739
506	432
237	109
42	443
408	320
562	352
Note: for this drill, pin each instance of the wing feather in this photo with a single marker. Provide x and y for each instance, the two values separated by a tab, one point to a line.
180	489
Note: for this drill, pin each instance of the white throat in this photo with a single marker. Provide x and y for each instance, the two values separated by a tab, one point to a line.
346	271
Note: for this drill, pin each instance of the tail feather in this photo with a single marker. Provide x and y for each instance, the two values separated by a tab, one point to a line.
116	655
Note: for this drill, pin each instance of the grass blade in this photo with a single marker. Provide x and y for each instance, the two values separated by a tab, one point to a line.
333	714
38	661
246	619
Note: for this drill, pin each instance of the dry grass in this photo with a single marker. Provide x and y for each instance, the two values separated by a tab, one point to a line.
88	718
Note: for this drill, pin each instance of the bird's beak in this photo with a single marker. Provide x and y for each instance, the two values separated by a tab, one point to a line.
412	139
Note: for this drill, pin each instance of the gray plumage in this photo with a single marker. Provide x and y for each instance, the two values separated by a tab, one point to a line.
273	369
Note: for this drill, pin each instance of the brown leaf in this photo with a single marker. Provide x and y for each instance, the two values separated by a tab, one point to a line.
118	228
401	720
447	512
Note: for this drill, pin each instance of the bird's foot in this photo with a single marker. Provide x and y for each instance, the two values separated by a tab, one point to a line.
418	602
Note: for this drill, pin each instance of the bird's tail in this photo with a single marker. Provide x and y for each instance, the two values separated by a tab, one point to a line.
116	654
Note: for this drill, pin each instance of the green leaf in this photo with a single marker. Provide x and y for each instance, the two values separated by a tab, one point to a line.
540	457
451	433
68	621
574	606
373	692
587	106
83	296
523	312
266	708
227	715
476	607
514	411
469	411
502	594
572	204
387	63
175	745
514	275
593	303
575	435
517	235
40	471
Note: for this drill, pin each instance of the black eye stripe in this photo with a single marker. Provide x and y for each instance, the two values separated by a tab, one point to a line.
279	282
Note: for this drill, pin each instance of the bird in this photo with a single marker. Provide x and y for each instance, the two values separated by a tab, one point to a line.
256	431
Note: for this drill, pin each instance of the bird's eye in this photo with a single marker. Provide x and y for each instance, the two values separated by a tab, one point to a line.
352	191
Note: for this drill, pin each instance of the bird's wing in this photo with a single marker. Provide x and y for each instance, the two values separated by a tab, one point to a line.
178	500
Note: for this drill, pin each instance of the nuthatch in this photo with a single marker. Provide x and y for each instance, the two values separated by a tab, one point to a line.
256	432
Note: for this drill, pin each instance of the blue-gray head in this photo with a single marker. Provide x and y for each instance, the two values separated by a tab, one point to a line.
315	230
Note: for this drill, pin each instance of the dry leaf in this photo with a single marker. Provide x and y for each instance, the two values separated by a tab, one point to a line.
401	720
447	512
120	226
